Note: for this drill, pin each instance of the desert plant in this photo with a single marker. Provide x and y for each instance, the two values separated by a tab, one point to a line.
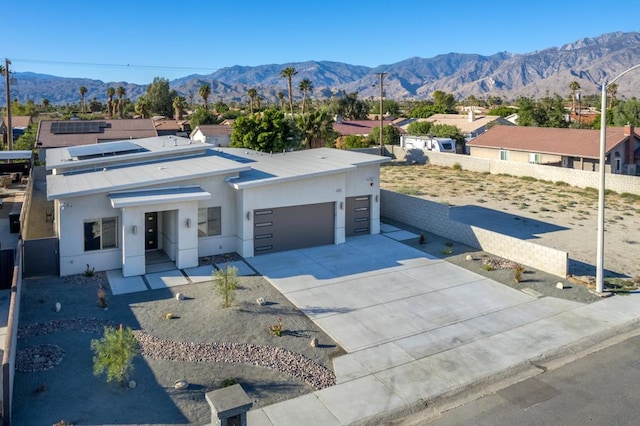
102	297
228	382
446	251
225	282
89	272
517	273
277	329
114	353
457	166
487	267
168	315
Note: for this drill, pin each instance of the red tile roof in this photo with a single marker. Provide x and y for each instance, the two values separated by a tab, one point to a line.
358	127
546	140
114	130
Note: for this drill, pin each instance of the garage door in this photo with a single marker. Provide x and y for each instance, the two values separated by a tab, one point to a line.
295	227
358	216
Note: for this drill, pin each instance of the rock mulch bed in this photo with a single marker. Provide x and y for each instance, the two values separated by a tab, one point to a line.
282	360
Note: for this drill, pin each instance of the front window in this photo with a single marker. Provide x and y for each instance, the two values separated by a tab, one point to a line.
504	155
101	234
209	222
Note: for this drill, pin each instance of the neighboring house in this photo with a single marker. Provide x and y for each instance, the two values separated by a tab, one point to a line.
572	148
214	134
67	133
19	124
167	127
116	203
470	125
357	127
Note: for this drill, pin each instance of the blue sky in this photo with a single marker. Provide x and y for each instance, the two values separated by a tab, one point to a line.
137	40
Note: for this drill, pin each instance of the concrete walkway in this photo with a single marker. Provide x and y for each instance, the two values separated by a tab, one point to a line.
416	328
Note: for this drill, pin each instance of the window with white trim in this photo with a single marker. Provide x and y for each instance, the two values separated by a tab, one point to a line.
101	234
504	155
534	158
209	222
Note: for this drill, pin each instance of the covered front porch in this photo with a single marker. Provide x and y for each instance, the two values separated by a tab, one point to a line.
158	222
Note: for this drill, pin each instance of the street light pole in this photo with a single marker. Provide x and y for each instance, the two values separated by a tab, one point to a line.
601	189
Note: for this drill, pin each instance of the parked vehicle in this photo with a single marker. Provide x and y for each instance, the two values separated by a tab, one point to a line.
428	143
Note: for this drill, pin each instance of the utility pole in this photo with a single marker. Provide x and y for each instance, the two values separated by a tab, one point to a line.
9	126
381	75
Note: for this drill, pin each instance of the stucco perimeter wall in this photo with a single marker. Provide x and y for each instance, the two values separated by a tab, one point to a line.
434	217
575	177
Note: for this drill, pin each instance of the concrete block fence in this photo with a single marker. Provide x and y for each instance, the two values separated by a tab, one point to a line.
434	218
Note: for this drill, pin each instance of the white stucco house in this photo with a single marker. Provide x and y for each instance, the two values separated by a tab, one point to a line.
117	202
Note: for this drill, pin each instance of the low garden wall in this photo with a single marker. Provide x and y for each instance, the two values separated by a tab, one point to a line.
434	217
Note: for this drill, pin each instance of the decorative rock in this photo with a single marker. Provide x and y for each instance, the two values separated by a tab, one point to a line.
260	301
58	306
181	384
314	343
132	384
560	285
179	296
469	257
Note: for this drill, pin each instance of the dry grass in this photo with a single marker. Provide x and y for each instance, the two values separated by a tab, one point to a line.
525	192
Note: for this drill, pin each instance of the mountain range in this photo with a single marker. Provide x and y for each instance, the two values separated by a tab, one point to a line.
507	75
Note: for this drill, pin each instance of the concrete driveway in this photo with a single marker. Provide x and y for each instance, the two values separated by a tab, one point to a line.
415	327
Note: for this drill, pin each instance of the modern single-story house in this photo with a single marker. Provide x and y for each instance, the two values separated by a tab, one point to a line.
168	127
116	202
67	133
214	134
572	148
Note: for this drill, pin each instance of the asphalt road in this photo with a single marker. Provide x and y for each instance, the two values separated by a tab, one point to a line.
602	388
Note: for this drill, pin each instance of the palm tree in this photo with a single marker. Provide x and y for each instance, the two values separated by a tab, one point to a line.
110	94
281	97
252	94
612	89
120	91
141	107
45	104
288	73
179	105
316	128
305	87
83	91
204	92
574	87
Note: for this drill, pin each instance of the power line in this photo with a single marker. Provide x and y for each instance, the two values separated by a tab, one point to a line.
106	65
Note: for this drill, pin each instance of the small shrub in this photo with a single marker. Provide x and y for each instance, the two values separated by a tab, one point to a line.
561	183
63	423
102	297
487	267
528	178
89	272
448	244
446	251
226	281
517	273
168	316
407	190
114	353
277	329
228	382
457	166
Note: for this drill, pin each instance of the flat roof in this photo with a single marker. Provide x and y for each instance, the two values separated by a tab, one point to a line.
170	164
158	196
273	168
16	155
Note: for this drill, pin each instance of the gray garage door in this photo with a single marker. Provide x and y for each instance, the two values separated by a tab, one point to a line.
358	216
290	228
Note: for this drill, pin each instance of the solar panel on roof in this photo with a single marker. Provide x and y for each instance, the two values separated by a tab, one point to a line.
76	127
104	149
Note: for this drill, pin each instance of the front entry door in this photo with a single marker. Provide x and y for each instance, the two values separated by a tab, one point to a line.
151	231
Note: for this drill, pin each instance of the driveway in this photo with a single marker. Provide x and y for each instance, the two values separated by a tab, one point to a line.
414	327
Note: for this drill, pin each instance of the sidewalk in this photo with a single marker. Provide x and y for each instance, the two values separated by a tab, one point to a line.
418	329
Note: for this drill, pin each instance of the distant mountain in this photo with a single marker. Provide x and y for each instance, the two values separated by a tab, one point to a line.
587	61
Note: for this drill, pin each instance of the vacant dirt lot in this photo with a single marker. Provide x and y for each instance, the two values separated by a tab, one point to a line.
551	214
